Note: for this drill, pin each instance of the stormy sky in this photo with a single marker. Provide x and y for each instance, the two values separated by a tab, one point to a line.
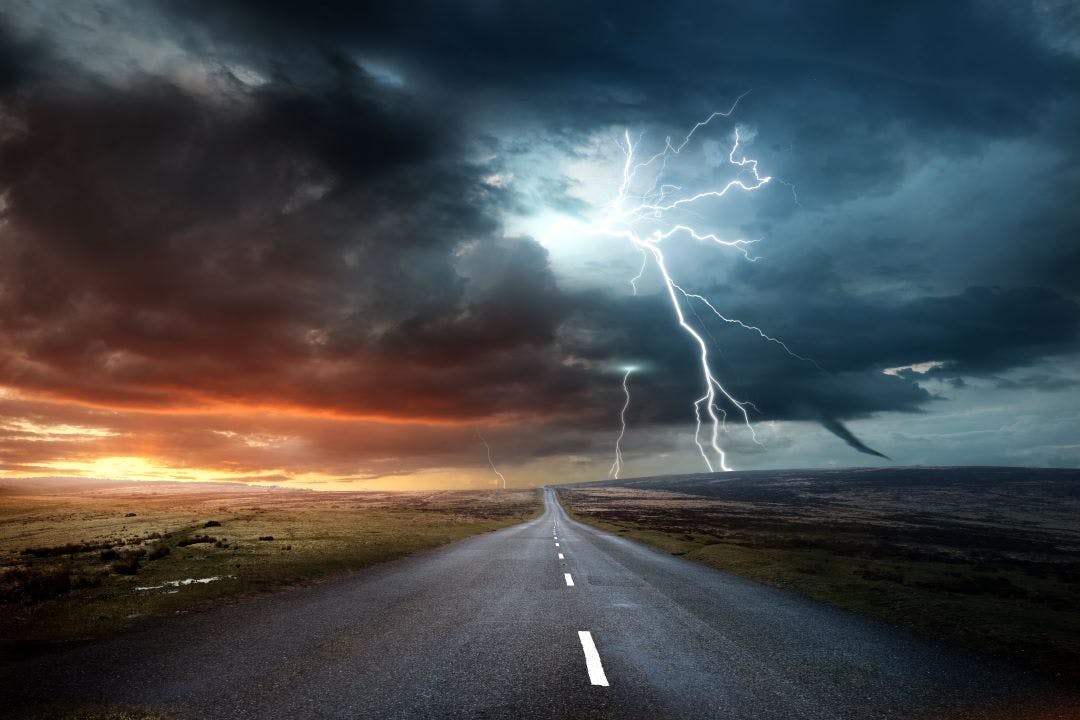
333	245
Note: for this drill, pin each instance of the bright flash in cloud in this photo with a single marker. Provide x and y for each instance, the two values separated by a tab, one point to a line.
648	211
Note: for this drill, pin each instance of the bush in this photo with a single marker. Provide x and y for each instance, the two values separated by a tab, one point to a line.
42	583
68	549
157	553
108	555
266	537
195	540
86	580
129	514
211	523
126	566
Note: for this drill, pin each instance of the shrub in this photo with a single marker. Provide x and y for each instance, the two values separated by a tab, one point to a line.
34	584
211	523
129	514
266	537
126	566
68	549
195	540
157	553
108	555
86	579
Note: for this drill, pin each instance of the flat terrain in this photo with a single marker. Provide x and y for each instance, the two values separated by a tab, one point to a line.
984	557
79	562
492	627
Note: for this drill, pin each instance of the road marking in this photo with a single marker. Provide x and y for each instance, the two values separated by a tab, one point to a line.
556	544
592	659
561	557
569	580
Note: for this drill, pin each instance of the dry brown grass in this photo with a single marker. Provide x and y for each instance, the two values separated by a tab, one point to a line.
72	562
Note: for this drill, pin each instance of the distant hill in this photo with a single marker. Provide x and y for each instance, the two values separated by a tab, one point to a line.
783	482
64	485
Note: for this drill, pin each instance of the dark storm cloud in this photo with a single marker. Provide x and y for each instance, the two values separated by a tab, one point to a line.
852	91
918	52
19	58
981	331
301	245
11	70
326	240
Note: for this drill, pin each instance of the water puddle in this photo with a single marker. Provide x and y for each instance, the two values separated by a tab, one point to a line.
186	581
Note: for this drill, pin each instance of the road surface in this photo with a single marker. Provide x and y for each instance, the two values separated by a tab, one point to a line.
547	619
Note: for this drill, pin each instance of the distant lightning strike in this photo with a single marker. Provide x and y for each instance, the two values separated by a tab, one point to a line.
625	218
616	467
491	460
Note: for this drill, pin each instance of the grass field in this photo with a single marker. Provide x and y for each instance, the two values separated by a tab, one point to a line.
984	557
81	562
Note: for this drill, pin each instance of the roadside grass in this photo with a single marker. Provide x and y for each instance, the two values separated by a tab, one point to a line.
83	566
1019	600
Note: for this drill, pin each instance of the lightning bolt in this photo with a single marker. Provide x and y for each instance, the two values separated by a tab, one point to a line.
643	220
491	460
616	466
752	328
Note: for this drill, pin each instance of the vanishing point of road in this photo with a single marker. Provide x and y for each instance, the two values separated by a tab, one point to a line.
546	619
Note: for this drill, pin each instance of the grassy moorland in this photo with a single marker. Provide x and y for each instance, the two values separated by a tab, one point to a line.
80	562
988	558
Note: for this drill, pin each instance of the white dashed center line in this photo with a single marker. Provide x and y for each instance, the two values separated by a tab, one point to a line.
592	659
556	544
561	556
569	580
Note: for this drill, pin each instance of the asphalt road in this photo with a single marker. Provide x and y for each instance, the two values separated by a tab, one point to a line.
491	627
